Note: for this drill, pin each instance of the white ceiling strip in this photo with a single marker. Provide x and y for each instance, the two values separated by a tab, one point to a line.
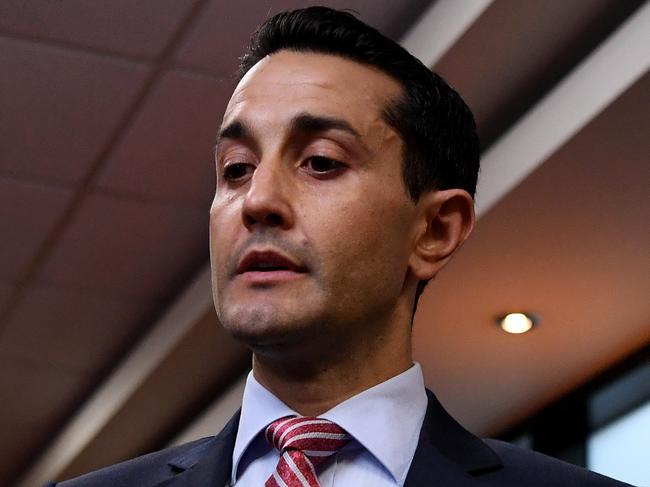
440	27
604	75
216	416
120	386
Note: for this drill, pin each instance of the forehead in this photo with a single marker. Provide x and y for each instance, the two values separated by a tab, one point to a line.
289	82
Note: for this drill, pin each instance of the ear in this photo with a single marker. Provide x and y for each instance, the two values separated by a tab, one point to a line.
445	220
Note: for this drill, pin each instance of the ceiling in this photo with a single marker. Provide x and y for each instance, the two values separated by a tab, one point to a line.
108	343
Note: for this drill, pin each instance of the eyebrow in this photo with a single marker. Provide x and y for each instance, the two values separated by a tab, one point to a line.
303	123
308	123
236	130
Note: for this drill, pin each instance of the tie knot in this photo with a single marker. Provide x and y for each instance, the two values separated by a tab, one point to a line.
317	438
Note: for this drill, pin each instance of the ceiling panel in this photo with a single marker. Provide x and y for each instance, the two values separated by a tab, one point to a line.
224	26
236	21
139	28
27	213
571	244
59	108
543	40
35	401
130	247
73	330
5	291
168	151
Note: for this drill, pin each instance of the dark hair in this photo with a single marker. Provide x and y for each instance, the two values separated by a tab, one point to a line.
441	147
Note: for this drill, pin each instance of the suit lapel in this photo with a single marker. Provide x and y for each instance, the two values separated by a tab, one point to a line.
447	454
209	464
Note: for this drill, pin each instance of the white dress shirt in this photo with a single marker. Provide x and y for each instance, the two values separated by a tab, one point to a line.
384	422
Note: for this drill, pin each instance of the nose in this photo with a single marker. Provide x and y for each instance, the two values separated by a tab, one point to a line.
268	201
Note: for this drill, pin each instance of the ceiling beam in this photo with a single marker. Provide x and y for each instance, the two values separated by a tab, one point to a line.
440	27
590	87
109	398
213	419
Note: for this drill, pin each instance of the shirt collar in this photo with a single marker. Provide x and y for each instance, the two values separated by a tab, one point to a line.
386	419
370	417
259	408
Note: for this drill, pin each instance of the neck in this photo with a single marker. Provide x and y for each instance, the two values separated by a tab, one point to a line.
313	386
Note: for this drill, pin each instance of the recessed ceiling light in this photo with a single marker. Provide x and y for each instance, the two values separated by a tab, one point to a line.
517	323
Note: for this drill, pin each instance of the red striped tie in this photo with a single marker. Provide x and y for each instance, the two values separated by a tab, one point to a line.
303	444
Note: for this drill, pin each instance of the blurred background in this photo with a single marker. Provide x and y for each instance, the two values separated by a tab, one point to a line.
109	346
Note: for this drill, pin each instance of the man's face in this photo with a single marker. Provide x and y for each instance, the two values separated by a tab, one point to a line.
311	225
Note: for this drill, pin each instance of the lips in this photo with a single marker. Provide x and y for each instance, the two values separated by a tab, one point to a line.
268	261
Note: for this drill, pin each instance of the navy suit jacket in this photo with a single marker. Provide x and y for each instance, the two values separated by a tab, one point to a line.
446	455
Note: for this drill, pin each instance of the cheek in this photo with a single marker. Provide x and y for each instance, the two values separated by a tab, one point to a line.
366	242
366	267
222	221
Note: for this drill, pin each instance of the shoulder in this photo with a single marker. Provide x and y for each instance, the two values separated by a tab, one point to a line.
142	471
523	467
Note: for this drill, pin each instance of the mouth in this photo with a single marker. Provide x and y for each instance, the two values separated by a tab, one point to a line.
267	266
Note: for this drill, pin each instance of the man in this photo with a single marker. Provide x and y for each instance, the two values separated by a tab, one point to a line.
345	180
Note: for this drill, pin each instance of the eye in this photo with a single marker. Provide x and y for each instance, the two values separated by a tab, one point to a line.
323	165
237	171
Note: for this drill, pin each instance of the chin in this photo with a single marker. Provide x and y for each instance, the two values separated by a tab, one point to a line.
263	326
